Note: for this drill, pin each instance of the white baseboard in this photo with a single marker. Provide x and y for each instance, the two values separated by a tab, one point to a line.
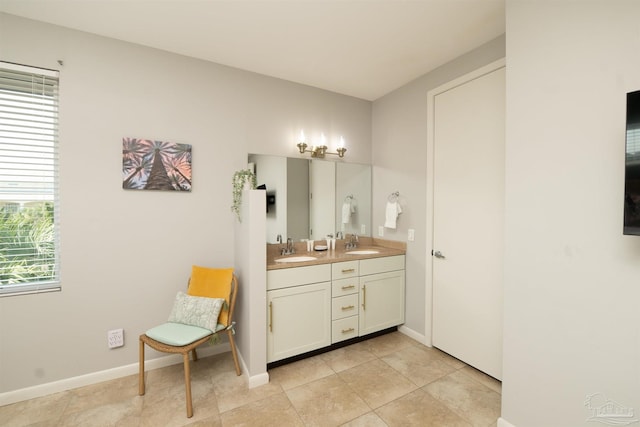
413	334
258	380
101	376
255	380
504	423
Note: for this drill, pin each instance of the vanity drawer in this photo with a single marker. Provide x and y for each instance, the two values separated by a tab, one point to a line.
342	270
345	306
381	265
344	329
296	276
344	287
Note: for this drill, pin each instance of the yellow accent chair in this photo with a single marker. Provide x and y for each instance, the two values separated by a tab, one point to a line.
198	316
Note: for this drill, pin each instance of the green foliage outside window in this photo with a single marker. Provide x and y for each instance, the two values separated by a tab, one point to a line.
27	244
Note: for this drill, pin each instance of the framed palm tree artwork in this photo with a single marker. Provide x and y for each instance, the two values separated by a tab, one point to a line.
155	165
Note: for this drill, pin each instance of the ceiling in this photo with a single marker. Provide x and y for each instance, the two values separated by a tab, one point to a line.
361	48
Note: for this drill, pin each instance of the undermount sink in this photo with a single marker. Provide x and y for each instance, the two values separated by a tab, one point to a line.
363	252
296	259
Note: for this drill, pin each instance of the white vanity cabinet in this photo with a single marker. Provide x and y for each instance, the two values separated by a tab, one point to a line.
298	310
312	307
381	293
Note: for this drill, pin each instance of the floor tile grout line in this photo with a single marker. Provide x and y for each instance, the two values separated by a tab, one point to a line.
462	371
294	408
455	409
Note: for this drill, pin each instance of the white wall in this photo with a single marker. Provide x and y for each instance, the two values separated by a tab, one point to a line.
400	164
126	253
251	268
572	280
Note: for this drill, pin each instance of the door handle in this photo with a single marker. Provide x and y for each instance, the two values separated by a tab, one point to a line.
438	254
364	297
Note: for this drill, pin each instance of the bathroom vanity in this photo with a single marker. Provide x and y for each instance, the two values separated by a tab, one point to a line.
334	298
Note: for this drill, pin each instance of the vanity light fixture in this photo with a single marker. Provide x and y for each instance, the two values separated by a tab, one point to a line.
319	151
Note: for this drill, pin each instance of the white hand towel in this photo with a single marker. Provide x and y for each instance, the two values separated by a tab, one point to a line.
391	214
346	212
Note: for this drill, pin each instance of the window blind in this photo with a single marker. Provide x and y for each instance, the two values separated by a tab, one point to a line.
29	235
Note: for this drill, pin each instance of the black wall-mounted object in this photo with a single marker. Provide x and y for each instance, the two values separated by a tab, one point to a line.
632	166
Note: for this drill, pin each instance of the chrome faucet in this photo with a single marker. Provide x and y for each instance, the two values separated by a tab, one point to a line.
289	249
352	243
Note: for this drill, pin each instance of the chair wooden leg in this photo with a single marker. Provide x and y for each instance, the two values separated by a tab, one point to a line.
232	343
141	367
194	354
187	383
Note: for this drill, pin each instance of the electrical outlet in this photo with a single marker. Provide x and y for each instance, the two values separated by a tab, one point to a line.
380	231
411	235
363	229
115	338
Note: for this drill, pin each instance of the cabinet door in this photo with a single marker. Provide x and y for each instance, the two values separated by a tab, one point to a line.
299	320
381	301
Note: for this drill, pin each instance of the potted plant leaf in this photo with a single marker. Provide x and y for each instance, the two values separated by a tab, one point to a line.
244	179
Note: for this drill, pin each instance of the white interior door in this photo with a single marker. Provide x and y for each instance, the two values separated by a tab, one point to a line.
468	221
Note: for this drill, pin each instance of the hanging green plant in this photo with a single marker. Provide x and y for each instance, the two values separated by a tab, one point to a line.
242	179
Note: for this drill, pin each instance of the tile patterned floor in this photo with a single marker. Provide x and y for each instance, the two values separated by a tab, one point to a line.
390	380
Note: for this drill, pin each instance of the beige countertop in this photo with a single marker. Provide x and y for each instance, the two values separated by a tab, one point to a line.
384	248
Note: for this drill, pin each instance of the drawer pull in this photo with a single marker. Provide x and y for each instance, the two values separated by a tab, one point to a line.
346	331
270	316
344	288
348	270
349	307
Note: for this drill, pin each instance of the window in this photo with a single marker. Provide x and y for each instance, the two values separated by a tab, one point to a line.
633	142
29	246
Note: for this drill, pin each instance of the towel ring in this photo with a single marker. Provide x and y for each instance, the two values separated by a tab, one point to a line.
393	196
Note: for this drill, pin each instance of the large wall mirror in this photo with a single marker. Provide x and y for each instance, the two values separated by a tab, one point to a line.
310	198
